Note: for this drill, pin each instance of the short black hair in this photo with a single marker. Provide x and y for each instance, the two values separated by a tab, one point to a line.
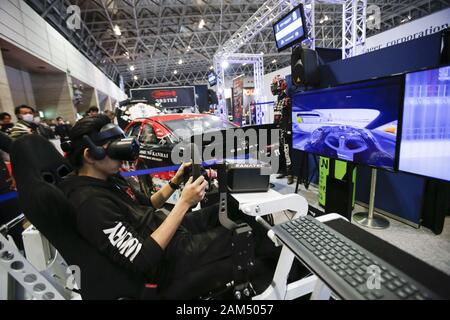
3	115
93	109
23	106
85	126
58	118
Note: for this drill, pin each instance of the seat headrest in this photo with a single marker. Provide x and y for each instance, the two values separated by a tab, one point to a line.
34	158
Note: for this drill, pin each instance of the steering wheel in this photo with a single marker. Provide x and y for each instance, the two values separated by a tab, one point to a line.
346	141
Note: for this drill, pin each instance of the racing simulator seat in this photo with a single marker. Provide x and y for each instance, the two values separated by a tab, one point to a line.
38	168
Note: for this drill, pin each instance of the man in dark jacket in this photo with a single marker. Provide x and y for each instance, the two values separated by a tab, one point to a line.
62	129
126	226
26	124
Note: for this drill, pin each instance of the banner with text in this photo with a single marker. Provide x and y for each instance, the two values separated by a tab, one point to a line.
168	97
415	29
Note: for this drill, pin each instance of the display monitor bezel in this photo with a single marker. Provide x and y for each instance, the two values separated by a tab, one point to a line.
305	28
401	79
399	145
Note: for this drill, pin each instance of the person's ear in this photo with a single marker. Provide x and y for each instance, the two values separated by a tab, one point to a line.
87	157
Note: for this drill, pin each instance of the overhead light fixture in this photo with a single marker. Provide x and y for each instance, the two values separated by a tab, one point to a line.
201	24
225	64
244	64
135	77
117	31
406	19
188	49
274	61
371	17
175	71
325	18
211	68
132	68
180	61
261	52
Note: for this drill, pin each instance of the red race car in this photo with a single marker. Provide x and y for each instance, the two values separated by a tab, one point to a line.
158	135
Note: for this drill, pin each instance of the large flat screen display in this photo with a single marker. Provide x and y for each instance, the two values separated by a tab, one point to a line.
425	141
290	29
356	122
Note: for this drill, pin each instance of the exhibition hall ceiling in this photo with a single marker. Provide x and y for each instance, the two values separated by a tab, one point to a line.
150	42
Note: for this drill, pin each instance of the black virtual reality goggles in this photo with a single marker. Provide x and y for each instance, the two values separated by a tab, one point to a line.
120	148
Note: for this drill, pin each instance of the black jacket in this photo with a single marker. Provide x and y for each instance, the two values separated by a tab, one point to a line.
117	221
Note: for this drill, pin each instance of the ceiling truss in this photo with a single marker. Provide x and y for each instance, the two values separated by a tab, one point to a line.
156	34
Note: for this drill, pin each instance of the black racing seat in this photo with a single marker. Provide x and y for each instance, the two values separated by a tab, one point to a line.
38	168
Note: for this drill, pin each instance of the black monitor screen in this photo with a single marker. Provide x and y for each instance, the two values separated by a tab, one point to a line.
212	78
425	142
290	29
355	122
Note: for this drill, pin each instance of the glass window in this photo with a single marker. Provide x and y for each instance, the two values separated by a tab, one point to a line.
134	130
185	128
148	135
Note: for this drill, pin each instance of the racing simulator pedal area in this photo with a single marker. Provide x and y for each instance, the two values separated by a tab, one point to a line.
198	155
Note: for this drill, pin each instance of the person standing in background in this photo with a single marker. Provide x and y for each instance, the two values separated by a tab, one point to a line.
28	123
93	111
62	129
6	123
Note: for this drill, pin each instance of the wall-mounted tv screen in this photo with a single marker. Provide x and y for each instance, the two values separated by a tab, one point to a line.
212	78
290	29
425	141
356	122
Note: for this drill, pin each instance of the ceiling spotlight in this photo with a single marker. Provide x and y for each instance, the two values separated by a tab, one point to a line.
211	68
135	78
225	64
175	71
117	31
274	61
261	52
188	49
180	61
132	68
325	18
244	64
201	24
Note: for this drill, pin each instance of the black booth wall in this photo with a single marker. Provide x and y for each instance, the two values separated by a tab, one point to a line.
397	193
202	97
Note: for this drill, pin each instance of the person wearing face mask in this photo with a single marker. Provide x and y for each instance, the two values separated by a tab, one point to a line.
27	123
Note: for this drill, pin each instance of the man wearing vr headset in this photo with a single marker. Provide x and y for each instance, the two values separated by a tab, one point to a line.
124	224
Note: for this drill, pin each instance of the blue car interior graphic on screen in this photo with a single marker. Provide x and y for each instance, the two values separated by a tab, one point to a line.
355	122
425	143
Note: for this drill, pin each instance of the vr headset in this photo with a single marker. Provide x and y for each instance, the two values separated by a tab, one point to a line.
121	148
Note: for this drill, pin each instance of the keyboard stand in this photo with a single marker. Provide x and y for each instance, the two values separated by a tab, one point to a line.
263	203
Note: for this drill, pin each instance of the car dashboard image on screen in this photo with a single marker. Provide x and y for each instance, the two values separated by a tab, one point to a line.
356	122
425	144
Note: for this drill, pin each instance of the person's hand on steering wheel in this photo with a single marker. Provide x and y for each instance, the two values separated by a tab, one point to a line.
180	175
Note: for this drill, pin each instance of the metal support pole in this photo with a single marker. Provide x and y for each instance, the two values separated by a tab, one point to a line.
370	219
